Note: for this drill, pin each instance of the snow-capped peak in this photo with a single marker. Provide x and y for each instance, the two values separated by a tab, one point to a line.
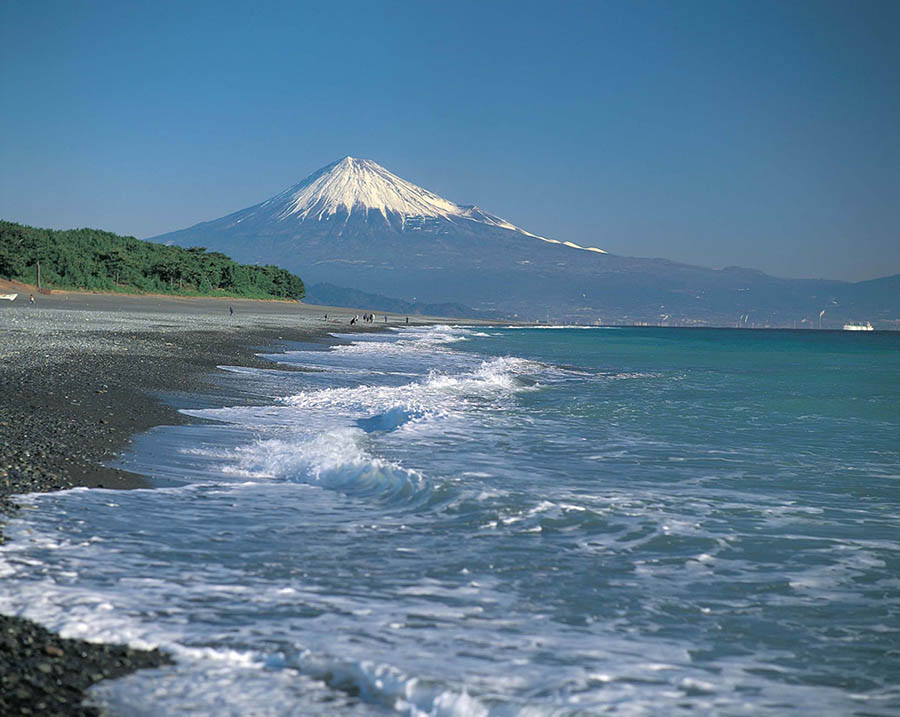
361	184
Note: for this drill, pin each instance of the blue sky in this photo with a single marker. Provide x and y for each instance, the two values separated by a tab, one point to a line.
760	134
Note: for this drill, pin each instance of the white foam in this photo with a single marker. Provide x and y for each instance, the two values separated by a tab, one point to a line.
438	395
391	687
333	459
564	326
320	437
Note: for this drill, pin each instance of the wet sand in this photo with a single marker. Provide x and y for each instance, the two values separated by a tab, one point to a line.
79	375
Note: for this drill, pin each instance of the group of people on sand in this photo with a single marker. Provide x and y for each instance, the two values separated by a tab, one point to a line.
368	318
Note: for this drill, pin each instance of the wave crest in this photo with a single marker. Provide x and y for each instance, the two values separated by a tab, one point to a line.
335	460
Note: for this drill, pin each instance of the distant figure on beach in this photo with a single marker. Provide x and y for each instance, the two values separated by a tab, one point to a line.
385	319
326	317
31	298
231	311
407	319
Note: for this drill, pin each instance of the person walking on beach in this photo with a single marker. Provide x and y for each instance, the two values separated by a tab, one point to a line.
231	311
31	298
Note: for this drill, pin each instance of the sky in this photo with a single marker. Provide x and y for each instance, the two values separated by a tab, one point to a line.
750	133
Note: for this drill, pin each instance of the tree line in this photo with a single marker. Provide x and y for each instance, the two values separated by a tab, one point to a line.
102	261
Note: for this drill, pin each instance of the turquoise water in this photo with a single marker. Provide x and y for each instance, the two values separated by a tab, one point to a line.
502	521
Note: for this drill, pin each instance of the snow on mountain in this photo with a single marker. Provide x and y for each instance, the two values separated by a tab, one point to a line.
355	226
361	185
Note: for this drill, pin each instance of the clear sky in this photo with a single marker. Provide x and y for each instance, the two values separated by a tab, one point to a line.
754	133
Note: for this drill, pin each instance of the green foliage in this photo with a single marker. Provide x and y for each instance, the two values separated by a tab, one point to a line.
102	261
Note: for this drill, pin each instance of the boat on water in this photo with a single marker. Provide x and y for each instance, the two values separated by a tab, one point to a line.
858	327
8	297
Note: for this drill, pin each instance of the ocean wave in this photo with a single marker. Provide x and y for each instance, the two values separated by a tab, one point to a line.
334	459
387	421
439	395
564	326
394	353
384	684
250	684
423	337
330	436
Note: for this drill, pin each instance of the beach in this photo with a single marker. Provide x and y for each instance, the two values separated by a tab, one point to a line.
80	374
444	519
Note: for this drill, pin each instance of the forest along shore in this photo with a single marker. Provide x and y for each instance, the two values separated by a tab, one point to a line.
78	374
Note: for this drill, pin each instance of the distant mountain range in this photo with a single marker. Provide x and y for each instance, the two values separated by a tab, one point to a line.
359	228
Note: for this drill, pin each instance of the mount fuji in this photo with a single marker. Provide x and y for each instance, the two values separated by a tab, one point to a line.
356	225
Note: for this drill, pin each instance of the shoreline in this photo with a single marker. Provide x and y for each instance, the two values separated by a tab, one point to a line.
80	374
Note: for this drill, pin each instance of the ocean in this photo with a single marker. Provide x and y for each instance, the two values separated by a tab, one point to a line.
500	521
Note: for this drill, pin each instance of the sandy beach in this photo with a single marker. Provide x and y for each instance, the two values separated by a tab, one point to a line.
79	375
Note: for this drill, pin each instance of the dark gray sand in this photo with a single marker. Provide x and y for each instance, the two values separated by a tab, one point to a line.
78	378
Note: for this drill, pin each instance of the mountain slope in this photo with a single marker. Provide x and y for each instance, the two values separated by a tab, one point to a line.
353	194
355	224
331	295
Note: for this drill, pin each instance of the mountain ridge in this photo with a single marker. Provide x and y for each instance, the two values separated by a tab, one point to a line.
354	224
351	185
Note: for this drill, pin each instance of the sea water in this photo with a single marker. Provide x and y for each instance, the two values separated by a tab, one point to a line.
459	521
